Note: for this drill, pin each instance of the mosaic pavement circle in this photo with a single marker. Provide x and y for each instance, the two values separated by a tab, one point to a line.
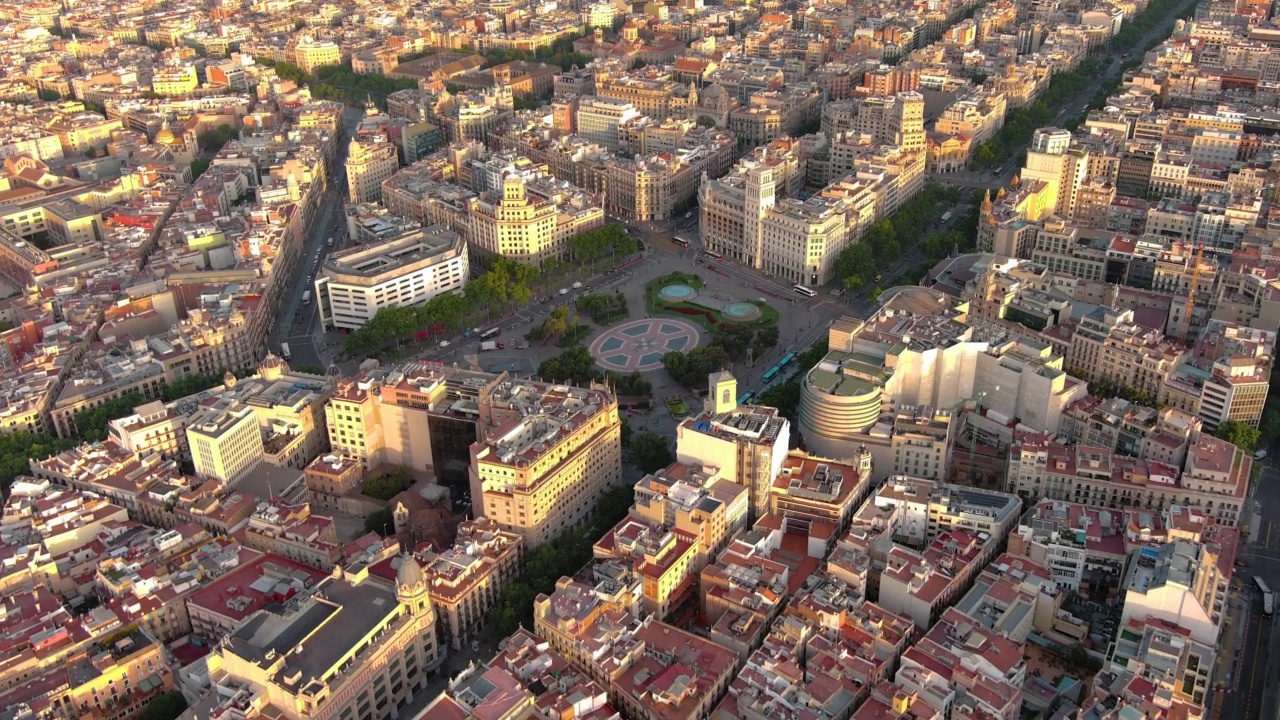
640	344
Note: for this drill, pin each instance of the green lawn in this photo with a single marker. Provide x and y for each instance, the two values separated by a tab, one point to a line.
655	305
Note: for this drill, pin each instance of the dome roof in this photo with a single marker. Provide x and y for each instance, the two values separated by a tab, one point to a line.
166	137
409	575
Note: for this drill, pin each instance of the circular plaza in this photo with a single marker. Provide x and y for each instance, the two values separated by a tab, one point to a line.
640	344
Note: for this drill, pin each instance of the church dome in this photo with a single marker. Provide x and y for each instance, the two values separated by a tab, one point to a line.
409	575
166	137
272	367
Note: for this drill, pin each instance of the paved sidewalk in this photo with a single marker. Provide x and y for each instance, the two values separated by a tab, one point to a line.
1224	671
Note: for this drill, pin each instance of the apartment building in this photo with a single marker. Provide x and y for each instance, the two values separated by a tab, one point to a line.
154	427
289	530
696	501
1180	582
310	53
896	119
407	269
1085	547
1164	654
113	676
1108	344
464	581
219	607
368	649
525	679
545	454
668	560
331	478
991	685
368	165
748	443
1015	596
1124	428
1213	478
654	671
811	490
653	93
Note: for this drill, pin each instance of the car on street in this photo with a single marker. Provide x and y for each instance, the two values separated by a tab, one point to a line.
444	343
577	285
564	291
1241	563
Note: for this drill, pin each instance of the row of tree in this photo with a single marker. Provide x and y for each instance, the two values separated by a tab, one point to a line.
1021	123
602	308
887	240
1133	29
576	366
503	284
1106	389
611	240
555	328
91	423
341	83
559	53
729	342
19	449
561	556
785	396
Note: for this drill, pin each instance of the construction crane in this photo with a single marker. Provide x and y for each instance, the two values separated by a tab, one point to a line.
1191	292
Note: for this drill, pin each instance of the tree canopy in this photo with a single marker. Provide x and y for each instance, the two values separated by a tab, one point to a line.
91	423
1238	434
388	485
341	83
545	564
692	368
650	452
17	450
1022	122
888	239
166	706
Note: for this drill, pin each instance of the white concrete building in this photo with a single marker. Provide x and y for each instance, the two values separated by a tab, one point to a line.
409	269
1179	582
225	442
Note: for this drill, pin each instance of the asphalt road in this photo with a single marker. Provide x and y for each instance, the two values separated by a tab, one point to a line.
1252	687
299	323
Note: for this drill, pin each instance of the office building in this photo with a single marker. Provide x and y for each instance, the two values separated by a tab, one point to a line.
530	219
600	119
225	442
407	269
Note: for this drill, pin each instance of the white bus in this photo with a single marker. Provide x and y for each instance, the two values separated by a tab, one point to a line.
802	290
